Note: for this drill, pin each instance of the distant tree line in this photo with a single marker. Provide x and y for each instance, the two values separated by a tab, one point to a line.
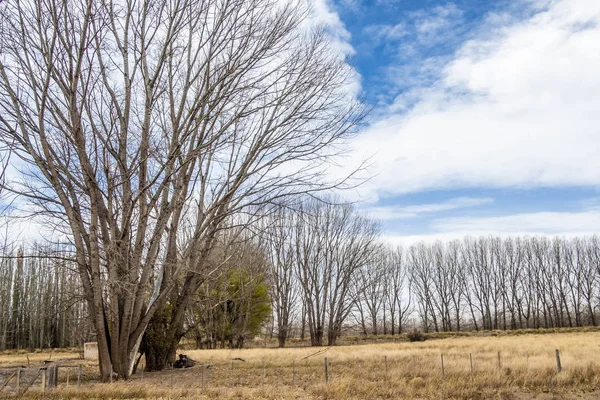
512	283
330	275
41	304
320	270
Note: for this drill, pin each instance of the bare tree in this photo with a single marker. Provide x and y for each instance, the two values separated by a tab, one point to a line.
369	286
421	271
333	243
275	235
397	292
127	115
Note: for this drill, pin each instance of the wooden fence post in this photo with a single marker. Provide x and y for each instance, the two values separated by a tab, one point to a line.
44	380
386	366
294	372
558	365
50	377
56	376
499	363
471	360
79	373
202	381
263	372
232	375
326	371
18	380
443	372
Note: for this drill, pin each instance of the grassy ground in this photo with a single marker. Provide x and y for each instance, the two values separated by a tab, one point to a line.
374	371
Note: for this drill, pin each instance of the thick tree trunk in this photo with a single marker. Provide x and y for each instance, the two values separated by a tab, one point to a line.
157	357
160	343
332	336
282	337
316	337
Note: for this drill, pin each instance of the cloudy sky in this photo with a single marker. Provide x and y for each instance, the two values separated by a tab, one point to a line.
486	114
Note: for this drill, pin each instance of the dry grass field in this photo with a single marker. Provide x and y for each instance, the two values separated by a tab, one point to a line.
527	370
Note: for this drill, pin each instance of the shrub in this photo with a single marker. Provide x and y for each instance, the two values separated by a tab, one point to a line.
415	335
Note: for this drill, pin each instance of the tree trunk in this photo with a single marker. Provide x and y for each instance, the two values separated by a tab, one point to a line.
159	343
332	335
316	338
157	357
282	337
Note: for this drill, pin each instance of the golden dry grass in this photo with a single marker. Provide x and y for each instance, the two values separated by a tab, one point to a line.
528	368
19	357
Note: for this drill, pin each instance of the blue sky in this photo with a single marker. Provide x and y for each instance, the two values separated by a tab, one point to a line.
486	114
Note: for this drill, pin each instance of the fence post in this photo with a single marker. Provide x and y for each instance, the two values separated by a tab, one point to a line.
326	371
443	372
263	372
44	381
202	381
471	361
294	372
111	372
386	366
50	377
499	364
18	380
79	373
558	365
232	375
56	376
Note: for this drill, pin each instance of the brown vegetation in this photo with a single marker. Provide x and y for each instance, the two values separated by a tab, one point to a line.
387	370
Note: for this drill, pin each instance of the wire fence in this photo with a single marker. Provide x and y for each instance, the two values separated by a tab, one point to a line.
316	368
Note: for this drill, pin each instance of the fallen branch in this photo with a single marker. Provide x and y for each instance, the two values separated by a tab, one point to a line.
316	354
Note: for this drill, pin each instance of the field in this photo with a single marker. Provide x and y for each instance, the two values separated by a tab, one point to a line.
525	369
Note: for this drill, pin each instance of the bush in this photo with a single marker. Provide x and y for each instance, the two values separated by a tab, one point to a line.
415	335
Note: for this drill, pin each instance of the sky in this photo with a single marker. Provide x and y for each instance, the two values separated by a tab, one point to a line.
485	114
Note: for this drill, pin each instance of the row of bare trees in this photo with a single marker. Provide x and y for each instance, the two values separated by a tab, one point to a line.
320	267
475	284
41	302
494	283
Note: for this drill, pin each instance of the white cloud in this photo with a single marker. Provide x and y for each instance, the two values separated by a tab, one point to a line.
323	15
413	211
549	224
432	25
377	33
519	108
577	223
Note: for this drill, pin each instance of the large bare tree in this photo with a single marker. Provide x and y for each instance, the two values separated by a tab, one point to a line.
128	117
